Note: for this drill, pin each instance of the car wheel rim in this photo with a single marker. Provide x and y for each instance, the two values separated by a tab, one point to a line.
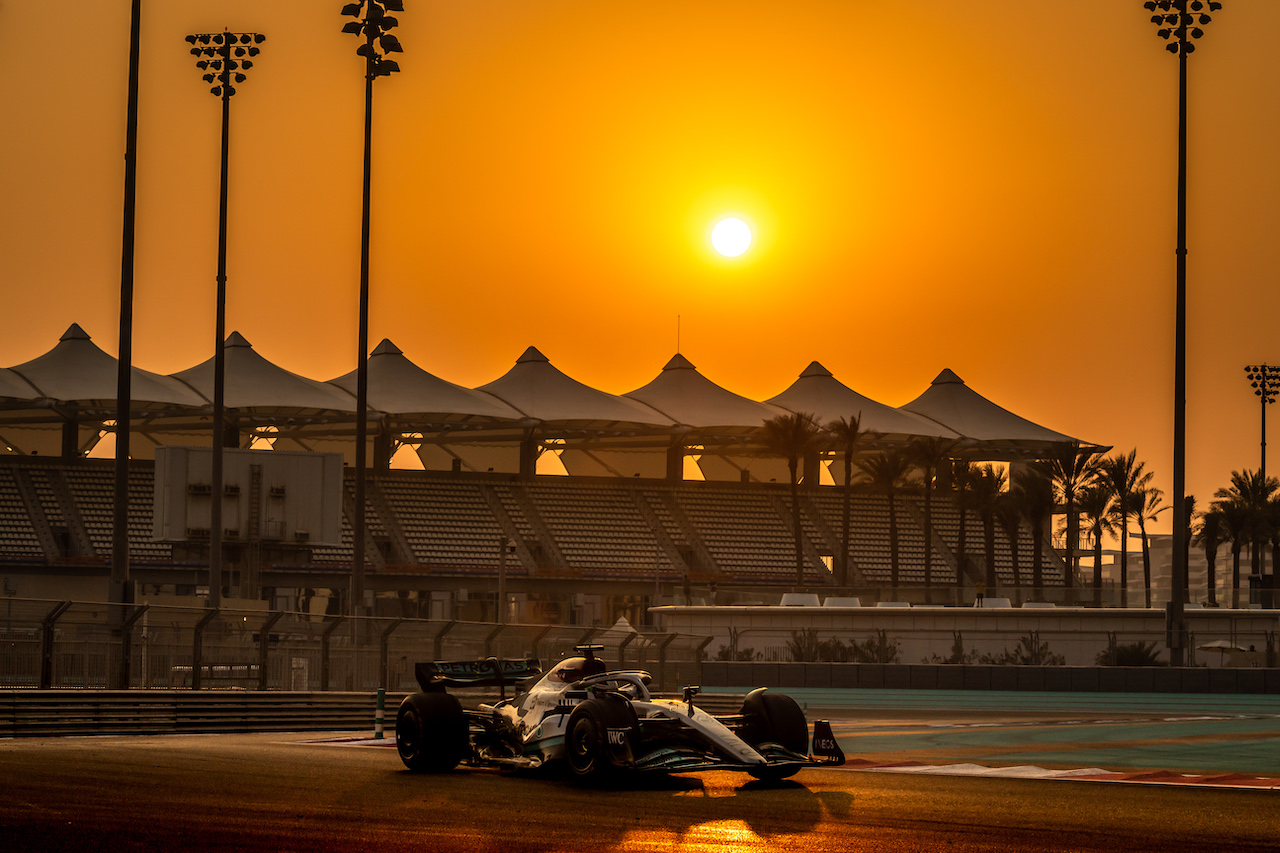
582	746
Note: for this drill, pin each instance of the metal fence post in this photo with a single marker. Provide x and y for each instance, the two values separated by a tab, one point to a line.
384	650
488	641
126	643
437	642
537	641
622	649
325	637
197	646
662	659
46	642
263	634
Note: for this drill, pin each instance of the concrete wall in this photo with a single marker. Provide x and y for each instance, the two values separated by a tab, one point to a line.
745	676
929	634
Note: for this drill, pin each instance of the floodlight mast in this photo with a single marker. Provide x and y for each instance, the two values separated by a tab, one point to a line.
224	57
120	591
378	42
1179	23
1265	381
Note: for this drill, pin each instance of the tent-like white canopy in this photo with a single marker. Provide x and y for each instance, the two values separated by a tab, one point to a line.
717	420
61	399
948	400
432	411
77	386
400	388
78	372
687	397
540	391
820	394
14	390
260	390
25	420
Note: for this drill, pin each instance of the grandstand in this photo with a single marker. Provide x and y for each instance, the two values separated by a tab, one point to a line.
626	529
583	540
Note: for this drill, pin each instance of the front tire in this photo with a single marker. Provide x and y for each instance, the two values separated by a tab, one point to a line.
431	732
774	718
597	739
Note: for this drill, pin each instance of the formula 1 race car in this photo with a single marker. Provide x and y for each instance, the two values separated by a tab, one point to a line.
598	723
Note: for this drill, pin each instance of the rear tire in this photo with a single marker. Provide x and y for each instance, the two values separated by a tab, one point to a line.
431	732
774	718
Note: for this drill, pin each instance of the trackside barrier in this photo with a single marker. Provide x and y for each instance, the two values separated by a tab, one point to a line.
48	713
152	645
37	713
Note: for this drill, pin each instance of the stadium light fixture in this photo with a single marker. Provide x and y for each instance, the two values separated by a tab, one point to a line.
374	27
224	57
1180	23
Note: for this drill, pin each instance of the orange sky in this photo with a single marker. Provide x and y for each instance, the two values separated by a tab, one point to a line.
986	186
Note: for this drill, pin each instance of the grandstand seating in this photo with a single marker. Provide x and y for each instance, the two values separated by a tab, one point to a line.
592	528
18	538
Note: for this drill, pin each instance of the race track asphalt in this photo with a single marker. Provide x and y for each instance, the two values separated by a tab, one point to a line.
921	778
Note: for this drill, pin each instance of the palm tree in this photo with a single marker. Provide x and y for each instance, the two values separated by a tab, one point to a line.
962	476
1146	508
1071	469
1095	505
793	437
1253	493
1237	530
1209	535
988	486
929	454
1035	494
886	472
1125	475
1009	517
848	434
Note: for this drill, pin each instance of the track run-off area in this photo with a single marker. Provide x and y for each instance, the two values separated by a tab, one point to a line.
951	771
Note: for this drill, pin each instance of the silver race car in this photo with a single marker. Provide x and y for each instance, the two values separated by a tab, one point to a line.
598	723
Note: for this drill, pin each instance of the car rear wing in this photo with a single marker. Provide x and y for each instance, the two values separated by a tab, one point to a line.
490	672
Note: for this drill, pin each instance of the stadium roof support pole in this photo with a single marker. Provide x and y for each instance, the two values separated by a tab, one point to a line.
378	42
119	590
1177	20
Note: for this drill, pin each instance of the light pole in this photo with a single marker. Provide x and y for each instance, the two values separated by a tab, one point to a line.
119	589
378	42
1179	23
224	57
1265	381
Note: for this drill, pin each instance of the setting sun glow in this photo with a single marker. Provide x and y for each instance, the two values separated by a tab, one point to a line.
731	237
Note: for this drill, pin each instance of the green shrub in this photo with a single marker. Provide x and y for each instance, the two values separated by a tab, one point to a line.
1130	654
1029	652
805	645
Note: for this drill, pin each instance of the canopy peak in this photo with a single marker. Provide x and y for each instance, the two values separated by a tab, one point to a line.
815	369
387	348
679	362
947	377
532	354
74	333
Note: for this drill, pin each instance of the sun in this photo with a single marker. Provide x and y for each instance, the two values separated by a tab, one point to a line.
731	237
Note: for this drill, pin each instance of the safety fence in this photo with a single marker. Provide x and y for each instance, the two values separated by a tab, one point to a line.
58	644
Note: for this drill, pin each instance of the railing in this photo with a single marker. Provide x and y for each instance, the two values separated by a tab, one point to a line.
38	713
47	644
